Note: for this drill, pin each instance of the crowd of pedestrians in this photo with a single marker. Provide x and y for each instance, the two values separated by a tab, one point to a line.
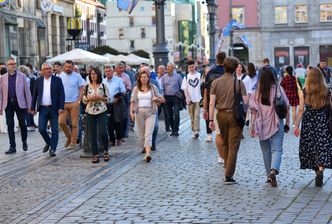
228	96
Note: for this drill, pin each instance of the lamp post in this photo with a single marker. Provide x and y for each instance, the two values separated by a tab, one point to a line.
231	50
211	5
160	52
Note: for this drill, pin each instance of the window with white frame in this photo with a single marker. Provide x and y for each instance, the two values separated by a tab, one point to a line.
280	14
238	14
326	13
301	14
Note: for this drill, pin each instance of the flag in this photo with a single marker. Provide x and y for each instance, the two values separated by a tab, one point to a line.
126	5
246	41
232	23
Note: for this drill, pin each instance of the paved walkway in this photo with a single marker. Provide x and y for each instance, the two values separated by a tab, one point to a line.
182	184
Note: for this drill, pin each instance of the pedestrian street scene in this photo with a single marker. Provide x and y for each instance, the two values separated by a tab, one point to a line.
166	111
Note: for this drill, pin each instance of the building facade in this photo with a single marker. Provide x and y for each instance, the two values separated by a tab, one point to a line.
246	41
93	17
137	31
296	31
30	34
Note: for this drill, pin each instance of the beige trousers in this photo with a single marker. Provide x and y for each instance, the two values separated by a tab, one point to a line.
72	110
145	121
194	113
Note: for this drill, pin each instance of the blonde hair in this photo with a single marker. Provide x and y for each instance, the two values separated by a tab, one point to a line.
315	89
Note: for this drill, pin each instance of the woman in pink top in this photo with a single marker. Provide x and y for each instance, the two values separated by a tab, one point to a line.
266	124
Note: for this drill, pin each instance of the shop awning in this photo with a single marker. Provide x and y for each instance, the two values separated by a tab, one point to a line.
10	20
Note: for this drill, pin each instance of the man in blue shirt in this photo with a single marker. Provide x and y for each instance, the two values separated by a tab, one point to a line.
115	87
171	84
74	86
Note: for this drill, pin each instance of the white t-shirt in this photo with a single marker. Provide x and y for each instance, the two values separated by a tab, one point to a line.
46	98
144	99
246	81
192	84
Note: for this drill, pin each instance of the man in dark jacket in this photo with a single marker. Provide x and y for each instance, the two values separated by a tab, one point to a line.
49	96
215	73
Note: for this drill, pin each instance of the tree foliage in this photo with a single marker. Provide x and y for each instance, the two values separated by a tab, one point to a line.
141	53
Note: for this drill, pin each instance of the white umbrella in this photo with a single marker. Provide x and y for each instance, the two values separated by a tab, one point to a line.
138	59
80	56
119	58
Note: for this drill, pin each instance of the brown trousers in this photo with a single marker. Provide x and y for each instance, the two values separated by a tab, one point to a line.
72	110
231	133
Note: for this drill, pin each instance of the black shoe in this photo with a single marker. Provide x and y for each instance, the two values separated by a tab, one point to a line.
172	134
25	146
273	178
143	151
176	134
52	152
11	151
153	148
168	130
46	148
319	179
230	181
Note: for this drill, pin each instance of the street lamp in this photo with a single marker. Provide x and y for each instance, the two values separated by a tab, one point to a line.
211	6
160	51
193	49
231	52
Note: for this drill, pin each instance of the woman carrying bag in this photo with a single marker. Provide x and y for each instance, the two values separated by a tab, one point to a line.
144	103
96	98
267	124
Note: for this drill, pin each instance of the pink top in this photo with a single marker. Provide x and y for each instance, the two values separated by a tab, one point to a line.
267	120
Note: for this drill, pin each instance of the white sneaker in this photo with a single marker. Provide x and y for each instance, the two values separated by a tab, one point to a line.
193	134
220	160
209	138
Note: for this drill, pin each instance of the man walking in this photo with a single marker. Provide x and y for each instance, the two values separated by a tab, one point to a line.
171	84
15	97
73	87
162	108
49	96
191	85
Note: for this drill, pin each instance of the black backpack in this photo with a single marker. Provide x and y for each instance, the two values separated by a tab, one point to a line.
238	107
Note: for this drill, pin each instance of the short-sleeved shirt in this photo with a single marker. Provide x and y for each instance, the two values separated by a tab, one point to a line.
71	84
223	89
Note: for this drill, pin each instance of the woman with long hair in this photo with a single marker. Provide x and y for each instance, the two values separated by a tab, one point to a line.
315	137
143	107
203	77
290	85
96	97
266	123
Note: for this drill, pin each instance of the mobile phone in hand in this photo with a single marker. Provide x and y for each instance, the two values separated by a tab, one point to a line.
286	128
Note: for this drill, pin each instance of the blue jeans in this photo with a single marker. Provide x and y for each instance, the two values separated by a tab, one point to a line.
11	109
173	109
47	114
272	150
155	131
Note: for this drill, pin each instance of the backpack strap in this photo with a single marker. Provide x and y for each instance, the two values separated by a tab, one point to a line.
244	76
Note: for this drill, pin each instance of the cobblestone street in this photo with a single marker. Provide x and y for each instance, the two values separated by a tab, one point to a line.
182	184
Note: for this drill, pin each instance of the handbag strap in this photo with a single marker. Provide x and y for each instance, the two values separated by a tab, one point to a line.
235	85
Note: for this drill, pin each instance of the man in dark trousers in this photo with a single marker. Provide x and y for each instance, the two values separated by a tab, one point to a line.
49	96
15	97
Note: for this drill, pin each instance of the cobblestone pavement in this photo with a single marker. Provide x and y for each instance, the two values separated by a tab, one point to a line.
182	184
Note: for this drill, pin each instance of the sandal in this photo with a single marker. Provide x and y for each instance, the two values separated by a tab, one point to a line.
106	156
95	159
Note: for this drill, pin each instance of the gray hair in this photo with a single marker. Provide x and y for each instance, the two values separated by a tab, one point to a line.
46	64
24	69
108	66
119	64
172	64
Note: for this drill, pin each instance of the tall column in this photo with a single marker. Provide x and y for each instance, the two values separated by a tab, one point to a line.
231	49
160	51
212	30
2	39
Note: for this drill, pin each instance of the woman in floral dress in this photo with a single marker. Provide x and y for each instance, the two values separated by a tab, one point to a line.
315	137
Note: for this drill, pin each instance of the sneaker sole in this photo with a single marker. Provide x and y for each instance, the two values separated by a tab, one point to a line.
273	178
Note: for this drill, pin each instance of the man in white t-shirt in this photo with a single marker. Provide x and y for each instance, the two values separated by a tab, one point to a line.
191	85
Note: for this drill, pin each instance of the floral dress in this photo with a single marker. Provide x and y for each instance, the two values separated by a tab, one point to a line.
315	139
95	107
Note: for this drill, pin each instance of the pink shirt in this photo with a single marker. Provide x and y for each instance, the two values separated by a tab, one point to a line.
267	120
126	80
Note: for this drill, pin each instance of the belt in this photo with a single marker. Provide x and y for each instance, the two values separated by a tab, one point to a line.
226	110
47	106
12	99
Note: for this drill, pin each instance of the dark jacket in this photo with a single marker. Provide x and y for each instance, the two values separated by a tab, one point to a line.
57	93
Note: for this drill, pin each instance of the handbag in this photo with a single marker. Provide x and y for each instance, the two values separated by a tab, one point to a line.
329	109
238	106
280	105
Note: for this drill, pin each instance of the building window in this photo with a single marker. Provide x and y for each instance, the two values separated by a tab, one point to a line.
132	44
238	14
301	13
326	13
121	35
131	21
143	33
280	14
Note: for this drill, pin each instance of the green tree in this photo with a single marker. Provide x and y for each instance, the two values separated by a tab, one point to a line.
141	53
104	50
